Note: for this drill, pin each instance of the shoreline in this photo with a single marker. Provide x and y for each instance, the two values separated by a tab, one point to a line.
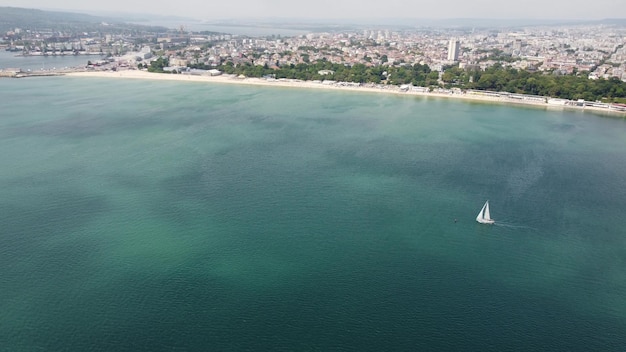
473	96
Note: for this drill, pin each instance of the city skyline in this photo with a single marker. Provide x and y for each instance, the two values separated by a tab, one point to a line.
342	9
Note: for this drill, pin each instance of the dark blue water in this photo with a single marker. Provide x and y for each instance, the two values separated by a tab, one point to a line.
179	216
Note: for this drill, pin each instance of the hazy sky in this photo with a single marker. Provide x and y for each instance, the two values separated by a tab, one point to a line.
218	9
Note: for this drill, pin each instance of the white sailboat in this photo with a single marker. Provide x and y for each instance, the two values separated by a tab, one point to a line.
484	217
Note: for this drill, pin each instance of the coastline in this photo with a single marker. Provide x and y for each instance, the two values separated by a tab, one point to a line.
225	79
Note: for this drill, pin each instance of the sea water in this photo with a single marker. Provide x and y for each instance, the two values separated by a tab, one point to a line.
13	60
145	215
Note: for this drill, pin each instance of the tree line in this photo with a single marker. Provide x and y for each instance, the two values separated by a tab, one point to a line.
496	78
553	84
419	75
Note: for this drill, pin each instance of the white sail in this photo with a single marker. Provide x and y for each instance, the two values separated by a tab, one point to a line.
480	215
483	216
486	215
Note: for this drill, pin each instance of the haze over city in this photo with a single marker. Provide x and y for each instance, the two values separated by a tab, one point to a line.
343	9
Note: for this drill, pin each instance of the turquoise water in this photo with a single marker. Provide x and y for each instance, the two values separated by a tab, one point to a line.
140	215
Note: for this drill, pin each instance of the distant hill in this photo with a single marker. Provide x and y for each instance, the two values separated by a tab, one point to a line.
16	17
614	21
492	23
312	24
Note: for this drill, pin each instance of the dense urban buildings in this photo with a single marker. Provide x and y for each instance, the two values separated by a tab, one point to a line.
596	50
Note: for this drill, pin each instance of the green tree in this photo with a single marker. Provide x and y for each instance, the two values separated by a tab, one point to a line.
158	65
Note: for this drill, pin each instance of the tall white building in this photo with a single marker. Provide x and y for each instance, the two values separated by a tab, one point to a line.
453	50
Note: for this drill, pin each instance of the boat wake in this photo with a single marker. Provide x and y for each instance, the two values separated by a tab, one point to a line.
513	226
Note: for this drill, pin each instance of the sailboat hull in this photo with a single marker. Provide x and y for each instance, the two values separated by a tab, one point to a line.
485	221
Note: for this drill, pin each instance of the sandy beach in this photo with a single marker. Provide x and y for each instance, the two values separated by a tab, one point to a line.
229	79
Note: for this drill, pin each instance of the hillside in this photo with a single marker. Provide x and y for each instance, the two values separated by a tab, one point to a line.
15	17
